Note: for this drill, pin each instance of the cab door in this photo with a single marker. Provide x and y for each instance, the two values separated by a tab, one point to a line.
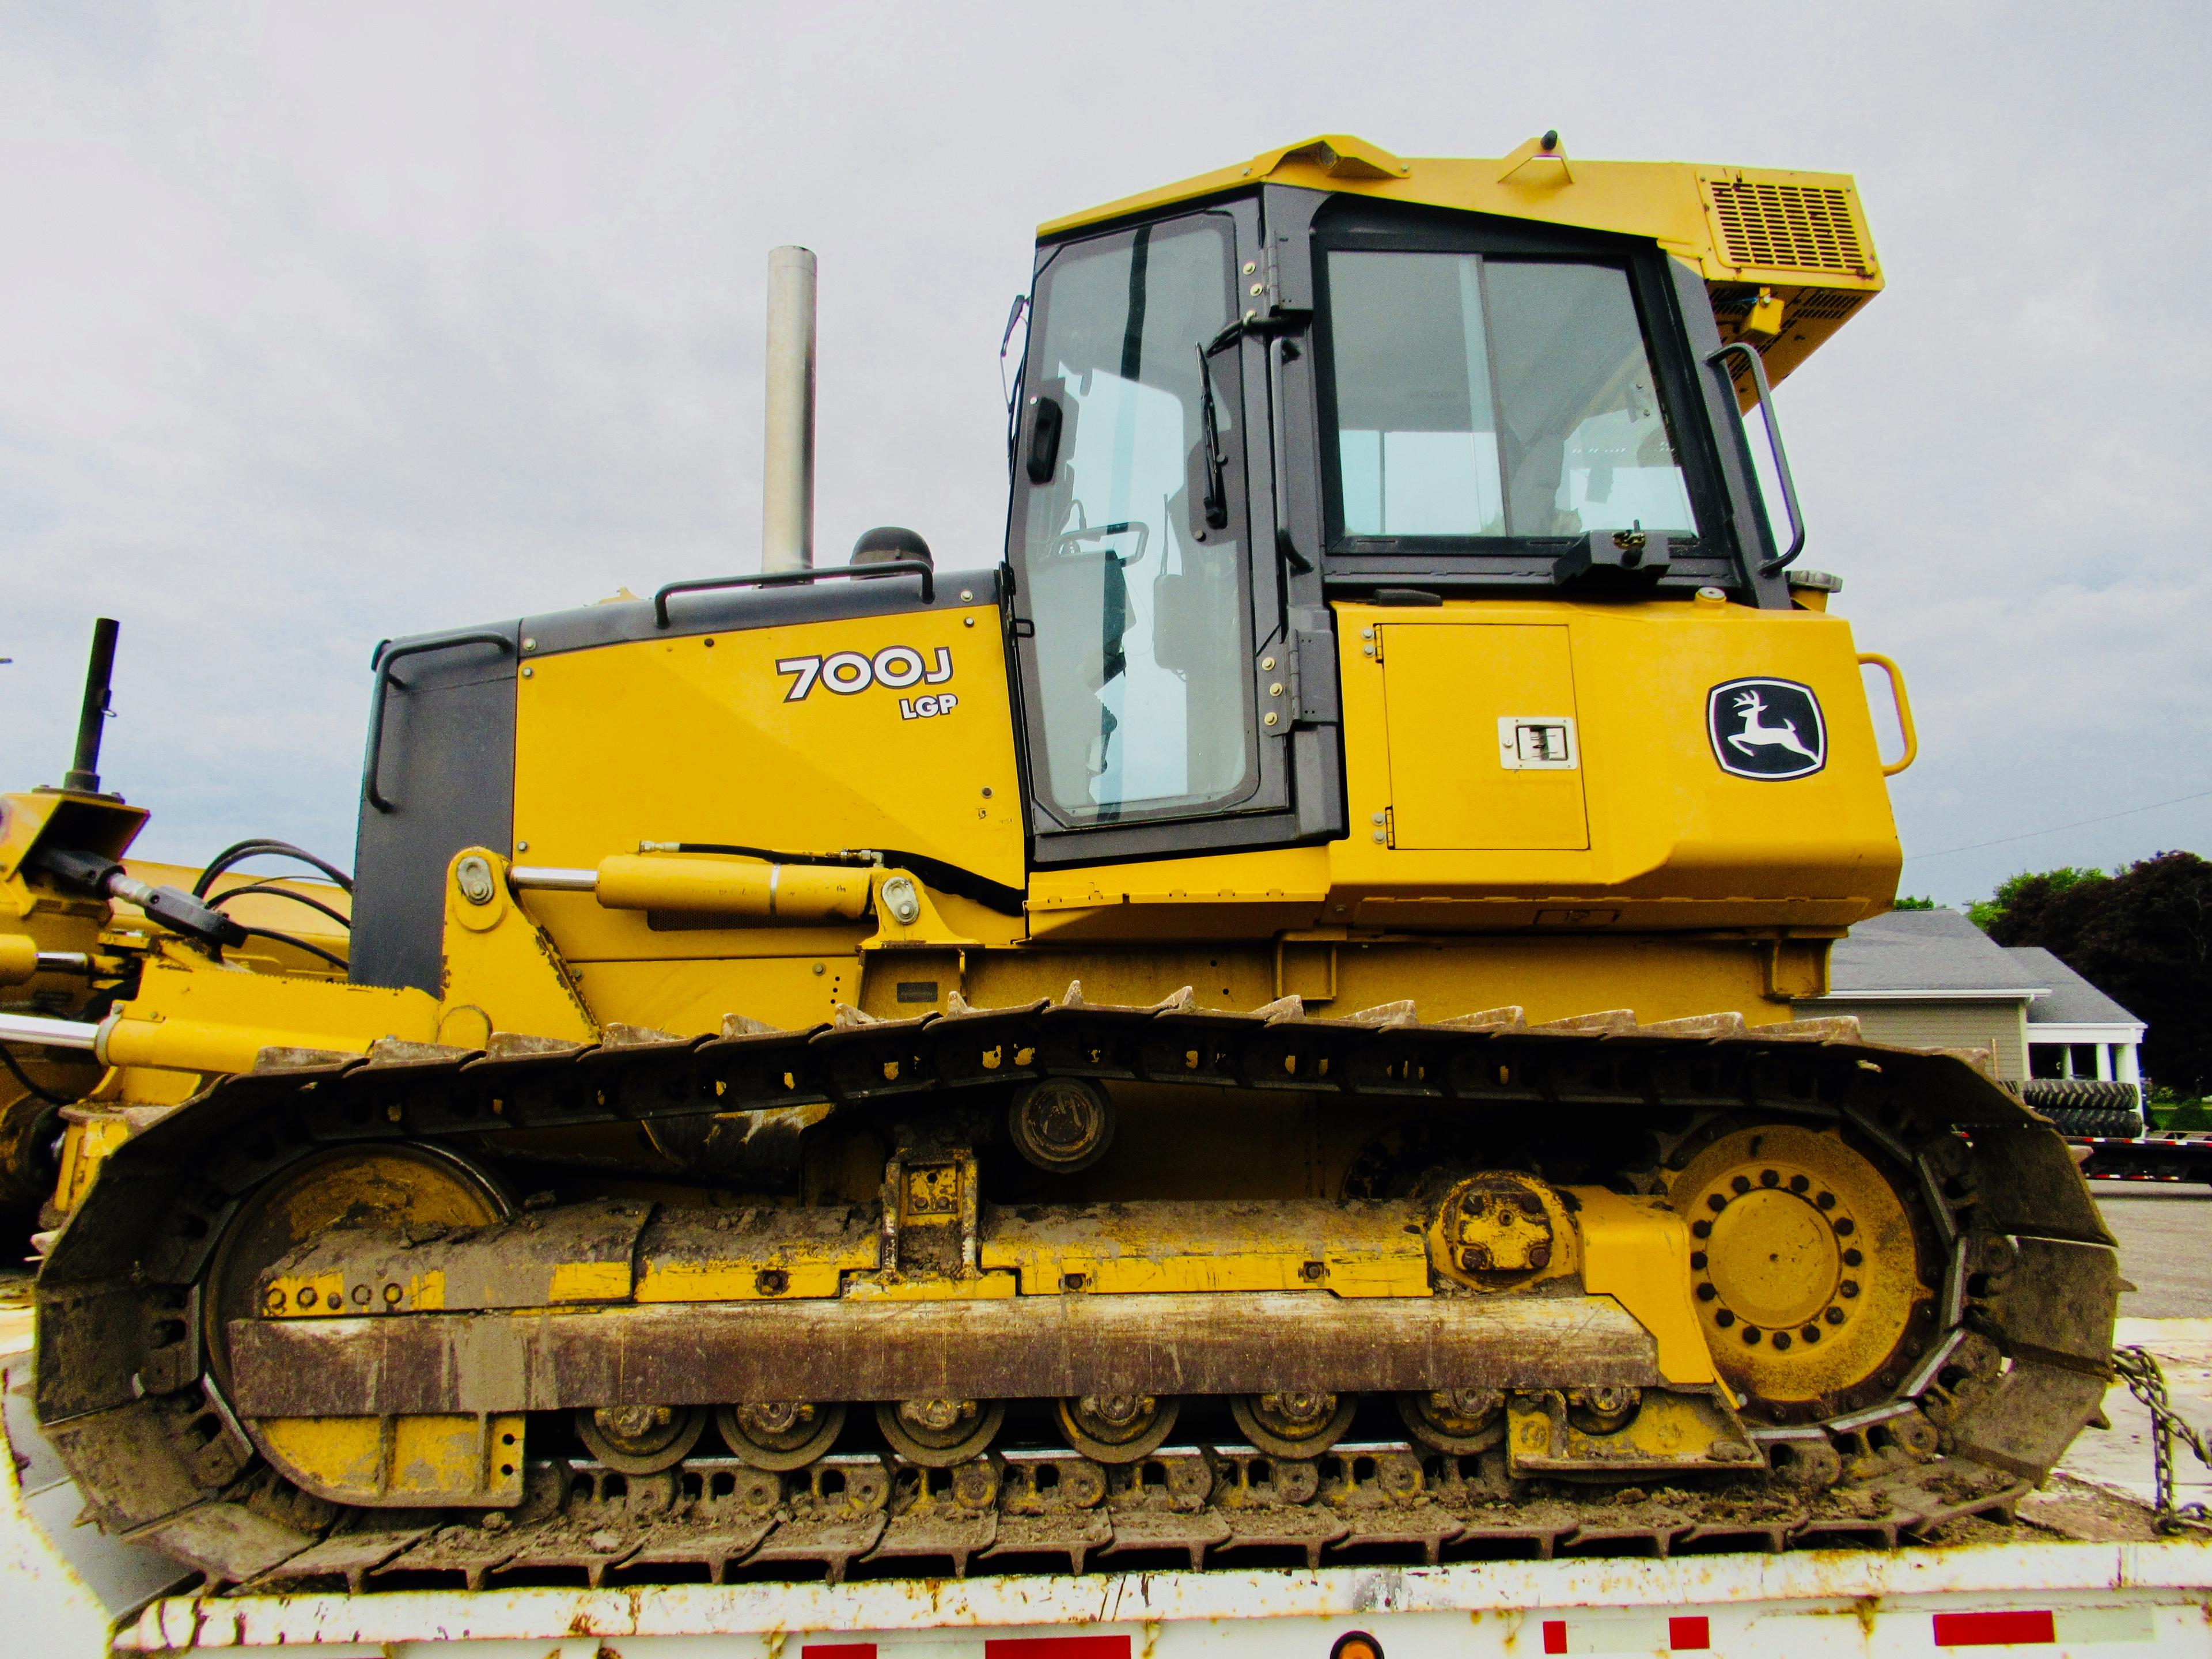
1156	668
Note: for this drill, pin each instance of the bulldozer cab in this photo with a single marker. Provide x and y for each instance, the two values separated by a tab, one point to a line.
1272	426
1234	411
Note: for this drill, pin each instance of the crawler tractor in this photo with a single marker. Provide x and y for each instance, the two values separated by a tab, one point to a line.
1255	1026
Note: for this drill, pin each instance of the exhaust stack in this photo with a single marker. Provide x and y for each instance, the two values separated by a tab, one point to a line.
788	441
84	778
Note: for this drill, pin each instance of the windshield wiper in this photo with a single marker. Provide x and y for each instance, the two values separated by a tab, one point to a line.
1217	463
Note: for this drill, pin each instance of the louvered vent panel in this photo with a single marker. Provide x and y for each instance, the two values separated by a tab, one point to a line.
1788	227
1822	307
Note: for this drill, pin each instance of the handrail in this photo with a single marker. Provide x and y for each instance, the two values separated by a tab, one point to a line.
1781	455
385	656
794	578
1904	711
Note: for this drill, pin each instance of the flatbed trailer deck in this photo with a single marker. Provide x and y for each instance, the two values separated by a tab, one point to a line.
71	1593
2174	1156
2073	1598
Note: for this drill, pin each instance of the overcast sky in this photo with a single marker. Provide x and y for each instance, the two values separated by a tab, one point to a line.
319	325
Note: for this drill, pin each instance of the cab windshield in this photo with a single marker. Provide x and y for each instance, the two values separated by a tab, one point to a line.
1136	589
1491	398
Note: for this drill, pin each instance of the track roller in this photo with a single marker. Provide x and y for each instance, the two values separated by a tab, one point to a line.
940	1433
1117	1428
1293	1423
780	1435
641	1439
1455	1421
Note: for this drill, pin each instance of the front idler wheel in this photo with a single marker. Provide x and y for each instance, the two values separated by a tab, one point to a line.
940	1433
780	1435
1117	1428
1296	1423
641	1439
1455	1421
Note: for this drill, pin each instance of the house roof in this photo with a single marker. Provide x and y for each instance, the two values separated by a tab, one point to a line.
1928	953
2072	1000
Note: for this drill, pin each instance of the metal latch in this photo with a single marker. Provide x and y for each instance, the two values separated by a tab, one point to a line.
1537	743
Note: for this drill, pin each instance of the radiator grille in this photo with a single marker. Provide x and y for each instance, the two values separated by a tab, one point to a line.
1789	226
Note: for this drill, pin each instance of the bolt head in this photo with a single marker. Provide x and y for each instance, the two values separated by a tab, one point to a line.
474	876
901	900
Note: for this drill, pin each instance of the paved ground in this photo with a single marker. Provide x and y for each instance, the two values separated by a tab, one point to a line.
2166	1248
2121	1455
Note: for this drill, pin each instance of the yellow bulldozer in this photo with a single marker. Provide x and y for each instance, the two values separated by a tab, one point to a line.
1255	1025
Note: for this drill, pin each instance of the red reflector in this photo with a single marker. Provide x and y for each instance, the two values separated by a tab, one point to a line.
1057	1647
1692	1634
1555	1636
1993	1629
838	1651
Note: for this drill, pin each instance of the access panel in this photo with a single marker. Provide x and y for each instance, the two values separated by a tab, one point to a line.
1485	751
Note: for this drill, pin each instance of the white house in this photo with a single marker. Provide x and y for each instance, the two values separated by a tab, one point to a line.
2076	1030
1931	979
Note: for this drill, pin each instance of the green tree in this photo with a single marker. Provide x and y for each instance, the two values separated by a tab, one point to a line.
2143	936
1904	903
2026	895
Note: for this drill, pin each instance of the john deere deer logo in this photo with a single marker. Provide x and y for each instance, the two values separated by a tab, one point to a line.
1770	729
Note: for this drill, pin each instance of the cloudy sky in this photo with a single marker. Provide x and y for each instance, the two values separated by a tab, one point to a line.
318	326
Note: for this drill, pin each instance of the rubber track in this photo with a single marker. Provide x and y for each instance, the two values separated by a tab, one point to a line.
122	1392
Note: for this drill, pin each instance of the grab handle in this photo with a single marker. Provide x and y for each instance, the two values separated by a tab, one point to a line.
1774	443
386	655
1891	769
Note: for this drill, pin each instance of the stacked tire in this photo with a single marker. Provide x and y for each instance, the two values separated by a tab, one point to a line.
2087	1106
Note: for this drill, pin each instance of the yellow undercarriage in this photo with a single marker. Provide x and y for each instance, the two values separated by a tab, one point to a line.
1554	1287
